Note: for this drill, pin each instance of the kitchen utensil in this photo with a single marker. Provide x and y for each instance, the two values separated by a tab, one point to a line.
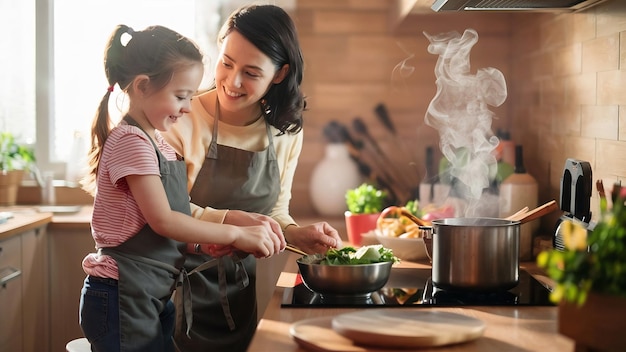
400	328
517	213
615	192
358	280
600	189
385	329
576	186
383	116
295	250
479	254
385	162
397	211
536	213
317	334
367	164
431	190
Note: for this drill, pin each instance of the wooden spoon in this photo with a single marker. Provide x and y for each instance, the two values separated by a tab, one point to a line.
517	214
295	250
537	212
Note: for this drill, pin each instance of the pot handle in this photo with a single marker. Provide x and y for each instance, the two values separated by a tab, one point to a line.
426	233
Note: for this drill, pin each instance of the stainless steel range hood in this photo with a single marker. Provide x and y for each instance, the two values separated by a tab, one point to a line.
514	5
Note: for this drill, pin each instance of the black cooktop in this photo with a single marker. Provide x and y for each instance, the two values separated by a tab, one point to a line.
528	292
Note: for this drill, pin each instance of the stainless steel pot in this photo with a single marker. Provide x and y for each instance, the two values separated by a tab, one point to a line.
479	254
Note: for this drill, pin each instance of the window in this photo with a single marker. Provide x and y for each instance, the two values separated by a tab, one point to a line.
79	80
52	58
52	63
17	59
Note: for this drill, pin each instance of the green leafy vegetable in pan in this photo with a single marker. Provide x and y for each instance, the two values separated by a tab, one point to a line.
364	255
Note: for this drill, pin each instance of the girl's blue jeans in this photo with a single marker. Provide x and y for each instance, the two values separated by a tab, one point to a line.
99	317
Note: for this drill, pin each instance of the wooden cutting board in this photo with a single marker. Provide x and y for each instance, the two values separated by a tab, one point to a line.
317	335
382	329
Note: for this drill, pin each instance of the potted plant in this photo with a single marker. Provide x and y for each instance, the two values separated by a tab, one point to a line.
15	159
590	279
364	206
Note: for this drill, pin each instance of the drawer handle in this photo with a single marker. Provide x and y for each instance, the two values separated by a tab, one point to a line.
8	273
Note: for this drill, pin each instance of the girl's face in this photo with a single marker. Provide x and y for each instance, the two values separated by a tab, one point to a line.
163	107
243	74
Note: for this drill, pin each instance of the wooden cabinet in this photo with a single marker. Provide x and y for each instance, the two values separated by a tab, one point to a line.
24	321
35	290
69	243
10	295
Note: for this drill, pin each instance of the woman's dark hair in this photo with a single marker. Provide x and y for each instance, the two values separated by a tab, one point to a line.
156	52
272	31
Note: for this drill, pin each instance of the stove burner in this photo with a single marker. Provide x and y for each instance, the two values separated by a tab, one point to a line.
458	297
528	292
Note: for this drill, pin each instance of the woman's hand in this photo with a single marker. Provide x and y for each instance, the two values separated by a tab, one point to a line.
314	238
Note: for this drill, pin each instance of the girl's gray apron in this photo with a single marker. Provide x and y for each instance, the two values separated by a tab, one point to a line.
224	296
150	266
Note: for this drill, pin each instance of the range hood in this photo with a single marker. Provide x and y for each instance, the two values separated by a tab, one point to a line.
514	5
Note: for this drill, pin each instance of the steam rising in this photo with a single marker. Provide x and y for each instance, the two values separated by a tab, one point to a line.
459	111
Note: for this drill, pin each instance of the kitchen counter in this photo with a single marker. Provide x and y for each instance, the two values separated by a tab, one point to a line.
522	328
23	219
26	217
56	257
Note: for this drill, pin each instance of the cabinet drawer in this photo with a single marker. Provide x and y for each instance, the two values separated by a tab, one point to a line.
11	253
11	317
11	295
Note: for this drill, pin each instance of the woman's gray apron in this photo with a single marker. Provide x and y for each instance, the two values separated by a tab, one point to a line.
224	296
150	266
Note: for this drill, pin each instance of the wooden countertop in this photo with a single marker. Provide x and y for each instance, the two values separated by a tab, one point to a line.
23	219
26	217
520	328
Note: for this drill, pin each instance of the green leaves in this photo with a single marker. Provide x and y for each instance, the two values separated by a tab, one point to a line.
348	256
14	156
601	268
413	206
365	199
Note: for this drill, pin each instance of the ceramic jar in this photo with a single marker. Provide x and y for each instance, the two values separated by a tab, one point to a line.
332	177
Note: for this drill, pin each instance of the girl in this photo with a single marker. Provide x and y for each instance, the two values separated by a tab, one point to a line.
241	146
141	210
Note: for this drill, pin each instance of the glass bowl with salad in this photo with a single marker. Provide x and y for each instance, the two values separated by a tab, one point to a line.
347	271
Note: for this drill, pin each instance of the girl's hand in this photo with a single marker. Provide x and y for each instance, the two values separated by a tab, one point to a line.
247	219
218	250
260	240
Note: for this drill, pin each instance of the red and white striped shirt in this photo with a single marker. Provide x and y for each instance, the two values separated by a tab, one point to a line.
116	216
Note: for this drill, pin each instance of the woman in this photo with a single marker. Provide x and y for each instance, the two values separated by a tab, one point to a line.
245	161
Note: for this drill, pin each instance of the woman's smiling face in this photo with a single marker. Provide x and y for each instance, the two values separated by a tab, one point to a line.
243	74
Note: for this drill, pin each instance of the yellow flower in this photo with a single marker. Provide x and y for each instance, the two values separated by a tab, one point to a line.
557	293
574	236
